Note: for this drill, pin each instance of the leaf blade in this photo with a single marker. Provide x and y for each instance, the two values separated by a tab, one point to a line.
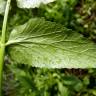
2	6
32	3
45	44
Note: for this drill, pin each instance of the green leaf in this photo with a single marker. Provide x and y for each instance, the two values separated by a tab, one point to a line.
73	82
63	90
43	43
2	6
70	80
32	3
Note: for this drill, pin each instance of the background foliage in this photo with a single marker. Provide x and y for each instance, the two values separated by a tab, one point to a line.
21	80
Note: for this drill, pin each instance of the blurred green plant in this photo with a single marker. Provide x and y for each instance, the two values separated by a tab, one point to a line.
48	82
80	15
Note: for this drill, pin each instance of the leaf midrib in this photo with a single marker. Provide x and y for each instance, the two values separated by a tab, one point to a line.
58	48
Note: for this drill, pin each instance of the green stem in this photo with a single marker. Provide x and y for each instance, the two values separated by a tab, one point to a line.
2	43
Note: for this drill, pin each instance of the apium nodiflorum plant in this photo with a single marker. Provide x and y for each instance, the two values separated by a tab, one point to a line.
42	43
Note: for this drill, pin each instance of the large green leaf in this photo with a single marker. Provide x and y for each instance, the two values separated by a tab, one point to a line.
32	3
2	6
42	43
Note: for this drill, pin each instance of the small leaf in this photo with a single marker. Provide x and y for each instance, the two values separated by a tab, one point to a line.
43	43
63	90
32	3
73	81
2	6
70	80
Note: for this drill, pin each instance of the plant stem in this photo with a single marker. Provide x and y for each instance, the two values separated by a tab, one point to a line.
2	43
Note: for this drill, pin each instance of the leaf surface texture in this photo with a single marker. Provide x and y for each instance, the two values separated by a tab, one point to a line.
32	3
2	6
43	43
